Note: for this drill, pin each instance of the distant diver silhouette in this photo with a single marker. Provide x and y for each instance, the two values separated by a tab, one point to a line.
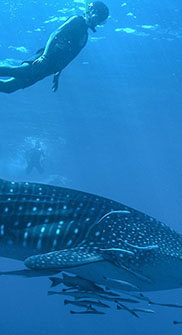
34	157
62	47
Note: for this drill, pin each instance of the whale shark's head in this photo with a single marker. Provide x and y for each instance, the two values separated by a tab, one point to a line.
144	251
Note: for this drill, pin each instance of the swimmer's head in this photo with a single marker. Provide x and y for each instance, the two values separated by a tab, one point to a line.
98	13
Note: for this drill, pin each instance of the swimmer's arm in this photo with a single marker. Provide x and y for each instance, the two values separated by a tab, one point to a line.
56	81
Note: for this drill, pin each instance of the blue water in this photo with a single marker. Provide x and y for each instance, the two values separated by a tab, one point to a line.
113	129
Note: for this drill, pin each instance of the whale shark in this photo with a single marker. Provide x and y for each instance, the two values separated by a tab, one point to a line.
53	228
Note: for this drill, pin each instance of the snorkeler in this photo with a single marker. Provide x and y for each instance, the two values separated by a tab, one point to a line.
62	47
34	159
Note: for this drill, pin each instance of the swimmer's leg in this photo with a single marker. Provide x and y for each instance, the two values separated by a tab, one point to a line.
29	168
10	85
39	168
15	71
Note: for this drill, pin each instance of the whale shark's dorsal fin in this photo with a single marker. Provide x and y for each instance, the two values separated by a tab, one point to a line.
63	258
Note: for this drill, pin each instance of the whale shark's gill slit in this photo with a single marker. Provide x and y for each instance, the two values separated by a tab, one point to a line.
145	248
124	212
118	250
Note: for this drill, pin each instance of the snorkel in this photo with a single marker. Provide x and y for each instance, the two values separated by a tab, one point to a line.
96	12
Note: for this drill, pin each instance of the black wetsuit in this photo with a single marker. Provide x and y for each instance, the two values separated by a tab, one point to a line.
62	47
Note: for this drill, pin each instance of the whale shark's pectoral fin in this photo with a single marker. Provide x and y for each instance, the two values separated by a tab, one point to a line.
63	258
